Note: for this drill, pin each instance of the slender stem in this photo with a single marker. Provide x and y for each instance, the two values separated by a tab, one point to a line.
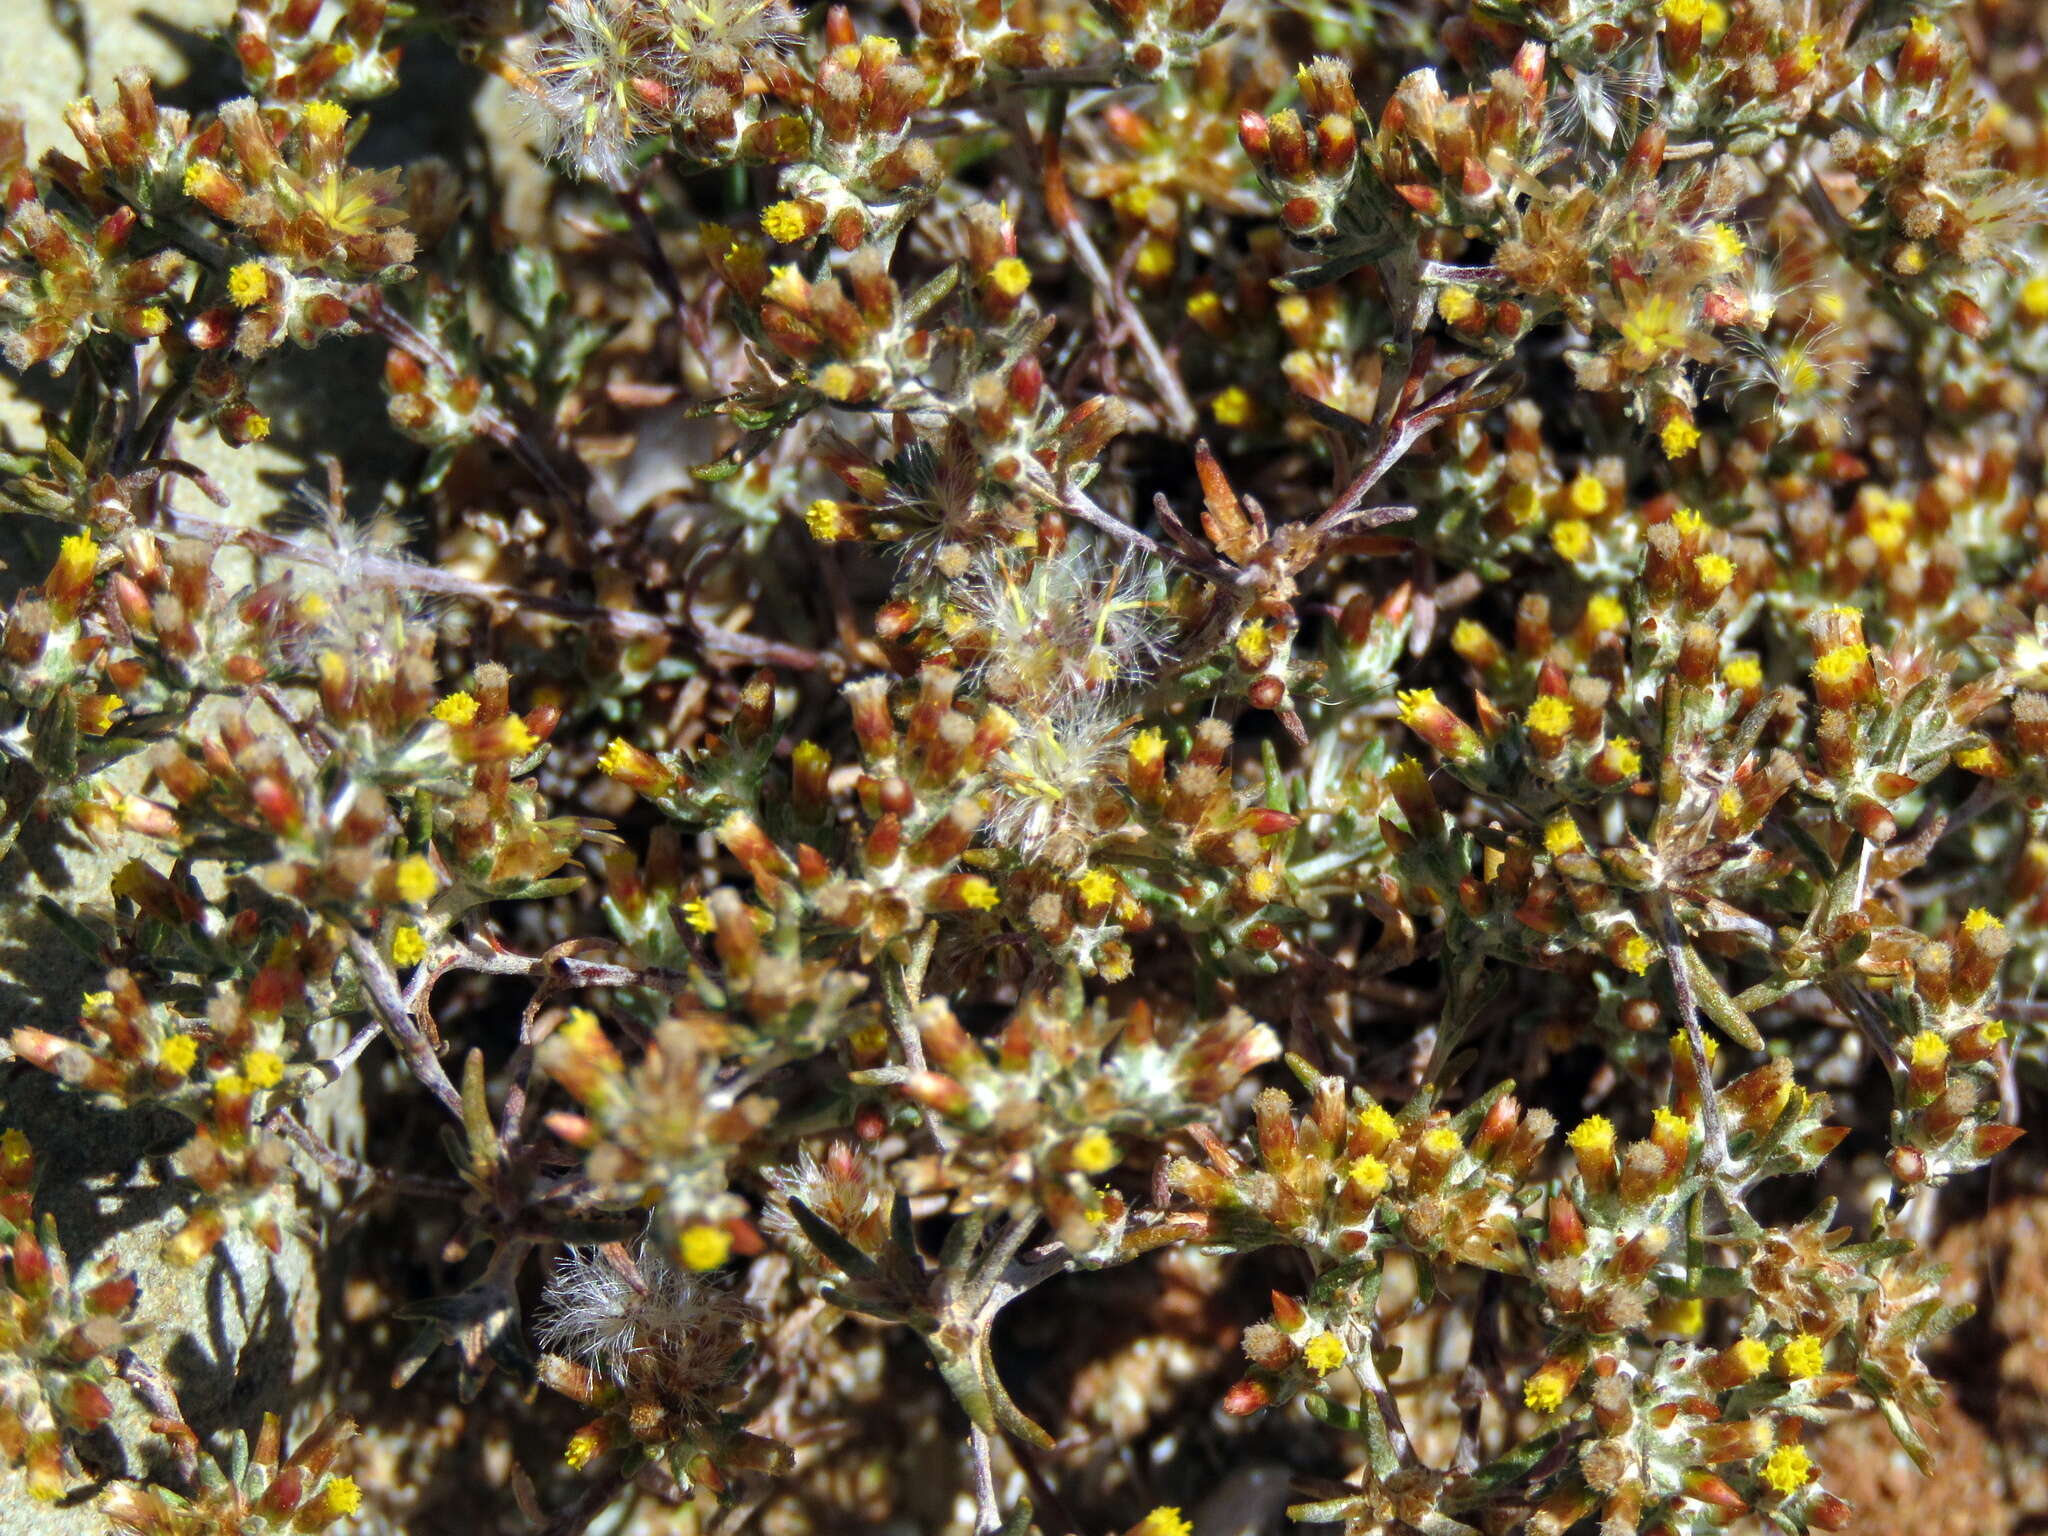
381	987
1059	204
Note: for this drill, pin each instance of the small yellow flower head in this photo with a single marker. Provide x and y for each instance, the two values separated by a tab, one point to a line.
1841	664
1095	1154
1097	887
342	1495
416	880
1324	1353
1684	13
456	709
1011	277
1588	496
1572	539
230	1085
1204	306
1667	1123
1524	504
1562	836
1688	522
1995	1031
1605	614
1714	571
1636	953
824	520
1163	1521
1549	716
2034	298
1789	1468
1592	1136
1414	701
407	947
1155	258
264	1069
1679	437
78	556
178	1053
1369	1174
1725	244
1687	1316
1751	1356
1455	304
153	320
1148	747
1743	673
248	283
583	1445
697	913
1377	1126
1929	1050
704	1246
1442	1142
1625	757
325	117
785	222
1544	1392
1978	920
255	427
1803	1356
1233	408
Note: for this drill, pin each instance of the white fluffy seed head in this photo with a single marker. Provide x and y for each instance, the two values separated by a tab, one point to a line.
671	1336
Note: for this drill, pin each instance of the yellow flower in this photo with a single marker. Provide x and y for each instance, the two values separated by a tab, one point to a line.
1725	245
456	709
1789	1468
1751	1356
697	914
407	947
1978	920
583	1445
1369	1174
1094	1153
1623	755
705	1247
1636	953
1011	277
1803	1356
1455	304
1588	495
1549	716
1675	1126
1593	1136
342	1495
1652	327
416	880
1442	1142
1684	12
785	222
1324	1353
2034	298
78	556
1714	571
1929	1049
1743	673
1686	1316
264	1069
977	893
1377	1126
1679	437
1562	836
1163	1521
1572	539
248	283
1524	504
1841	664
1233	407
1204	306
823	518
1545	1391
178	1053
1155	258
325	117
1604	614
